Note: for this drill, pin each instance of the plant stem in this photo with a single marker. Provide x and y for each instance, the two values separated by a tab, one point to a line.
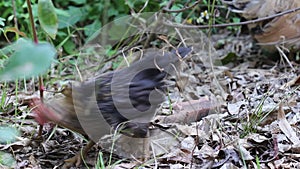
36	41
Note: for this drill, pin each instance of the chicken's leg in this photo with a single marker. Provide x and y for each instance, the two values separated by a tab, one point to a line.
77	159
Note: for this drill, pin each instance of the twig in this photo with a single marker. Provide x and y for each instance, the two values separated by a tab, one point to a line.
15	14
172	24
169	4
120	52
283	55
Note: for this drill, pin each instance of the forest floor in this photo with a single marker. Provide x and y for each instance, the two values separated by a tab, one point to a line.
245	114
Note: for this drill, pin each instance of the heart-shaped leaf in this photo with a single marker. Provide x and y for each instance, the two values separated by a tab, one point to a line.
48	17
8	134
28	59
7	160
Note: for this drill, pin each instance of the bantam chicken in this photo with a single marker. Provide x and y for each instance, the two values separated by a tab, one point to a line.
284	29
124	100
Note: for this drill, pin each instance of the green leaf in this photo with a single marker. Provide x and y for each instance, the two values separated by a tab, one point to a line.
69	46
28	59
236	20
79	2
112	12
92	28
48	17
178	17
7	160
130	3
230	57
2	21
8	134
119	28
70	18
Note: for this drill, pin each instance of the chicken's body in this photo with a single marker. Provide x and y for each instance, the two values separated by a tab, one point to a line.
125	99
282	29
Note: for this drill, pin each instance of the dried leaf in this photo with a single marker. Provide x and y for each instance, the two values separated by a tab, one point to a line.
286	127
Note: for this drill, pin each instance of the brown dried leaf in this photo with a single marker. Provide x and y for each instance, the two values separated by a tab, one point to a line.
286	127
294	81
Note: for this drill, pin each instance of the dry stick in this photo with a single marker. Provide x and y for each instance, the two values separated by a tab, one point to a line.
15	14
169	4
172	24
159	17
282	54
120	52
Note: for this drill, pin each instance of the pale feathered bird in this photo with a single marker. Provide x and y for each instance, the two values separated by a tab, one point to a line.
124	99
